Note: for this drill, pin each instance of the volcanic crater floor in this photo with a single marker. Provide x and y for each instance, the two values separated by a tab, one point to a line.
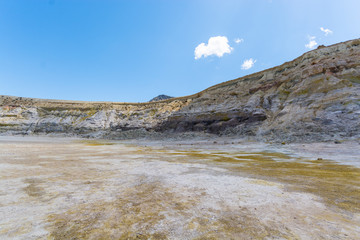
59	188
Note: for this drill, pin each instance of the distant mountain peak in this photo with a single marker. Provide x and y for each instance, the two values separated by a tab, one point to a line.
160	97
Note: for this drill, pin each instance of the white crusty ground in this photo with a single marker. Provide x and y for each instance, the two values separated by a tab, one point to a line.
40	177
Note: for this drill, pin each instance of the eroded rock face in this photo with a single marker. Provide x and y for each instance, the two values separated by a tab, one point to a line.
315	97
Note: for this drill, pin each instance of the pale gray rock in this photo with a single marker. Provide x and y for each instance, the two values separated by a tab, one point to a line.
315	97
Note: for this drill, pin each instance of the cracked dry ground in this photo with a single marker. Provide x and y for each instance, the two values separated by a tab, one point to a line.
73	189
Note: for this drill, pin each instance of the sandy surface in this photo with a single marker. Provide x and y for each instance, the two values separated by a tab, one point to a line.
76	189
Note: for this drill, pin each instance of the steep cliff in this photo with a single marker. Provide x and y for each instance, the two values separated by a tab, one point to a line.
315	97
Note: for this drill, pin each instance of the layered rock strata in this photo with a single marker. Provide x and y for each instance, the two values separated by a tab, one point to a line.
315	97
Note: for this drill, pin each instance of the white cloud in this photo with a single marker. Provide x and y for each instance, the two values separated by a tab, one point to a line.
216	46
247	64
326	31
239	40
312	43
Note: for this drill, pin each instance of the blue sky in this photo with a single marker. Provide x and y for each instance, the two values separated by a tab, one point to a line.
133	50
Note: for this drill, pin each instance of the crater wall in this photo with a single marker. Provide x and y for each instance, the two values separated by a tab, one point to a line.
315	97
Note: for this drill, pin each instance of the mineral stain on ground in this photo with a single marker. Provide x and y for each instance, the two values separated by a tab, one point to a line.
337	184
75	189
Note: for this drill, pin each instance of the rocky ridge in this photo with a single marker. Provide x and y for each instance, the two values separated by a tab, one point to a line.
315	97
